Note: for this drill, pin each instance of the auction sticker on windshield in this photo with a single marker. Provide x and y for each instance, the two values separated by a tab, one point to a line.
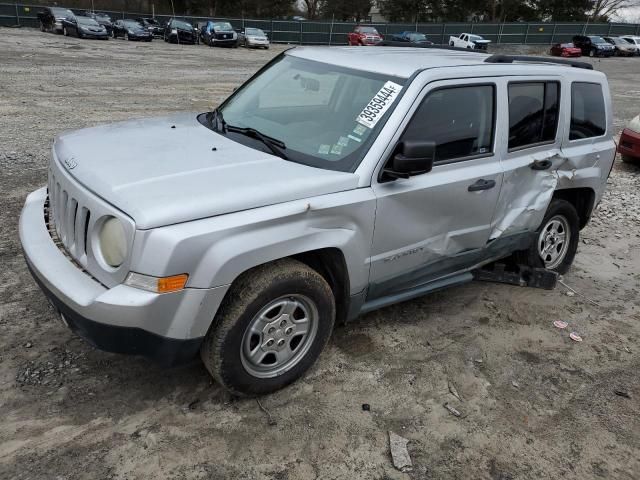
379	104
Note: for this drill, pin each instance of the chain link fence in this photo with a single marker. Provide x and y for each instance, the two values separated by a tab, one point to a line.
335	33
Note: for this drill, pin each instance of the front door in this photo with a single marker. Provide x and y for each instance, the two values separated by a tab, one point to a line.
434	224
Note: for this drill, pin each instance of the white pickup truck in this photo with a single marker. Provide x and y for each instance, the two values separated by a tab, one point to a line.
467	40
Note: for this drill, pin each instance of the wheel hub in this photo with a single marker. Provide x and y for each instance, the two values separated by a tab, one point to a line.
279	336
553	241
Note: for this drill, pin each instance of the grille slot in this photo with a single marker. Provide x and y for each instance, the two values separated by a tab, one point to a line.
69	219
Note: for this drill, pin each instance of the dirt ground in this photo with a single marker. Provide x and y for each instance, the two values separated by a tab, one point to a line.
534	403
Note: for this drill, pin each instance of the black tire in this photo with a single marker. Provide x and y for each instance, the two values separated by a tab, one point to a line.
250	293
42	29
557	208
64	31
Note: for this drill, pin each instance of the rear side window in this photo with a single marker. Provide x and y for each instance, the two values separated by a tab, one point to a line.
533	113
588	116
460	120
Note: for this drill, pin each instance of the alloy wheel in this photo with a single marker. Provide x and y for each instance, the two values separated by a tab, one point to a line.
279	336
553	241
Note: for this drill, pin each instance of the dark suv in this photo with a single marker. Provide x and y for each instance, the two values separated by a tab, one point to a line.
593	46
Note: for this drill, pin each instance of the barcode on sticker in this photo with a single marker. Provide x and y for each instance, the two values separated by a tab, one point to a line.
380	103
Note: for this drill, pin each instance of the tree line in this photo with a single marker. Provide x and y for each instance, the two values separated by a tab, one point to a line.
410	10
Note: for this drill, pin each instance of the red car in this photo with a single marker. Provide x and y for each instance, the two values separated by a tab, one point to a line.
362	35
629	144
565	50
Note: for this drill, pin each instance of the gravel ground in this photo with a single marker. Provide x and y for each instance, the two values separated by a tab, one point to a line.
534	403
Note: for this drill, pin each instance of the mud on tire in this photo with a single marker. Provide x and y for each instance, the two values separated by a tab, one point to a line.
224	347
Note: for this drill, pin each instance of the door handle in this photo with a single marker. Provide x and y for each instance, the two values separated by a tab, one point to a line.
541	164
482	184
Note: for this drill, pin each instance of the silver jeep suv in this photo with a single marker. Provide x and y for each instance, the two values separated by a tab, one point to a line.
334	182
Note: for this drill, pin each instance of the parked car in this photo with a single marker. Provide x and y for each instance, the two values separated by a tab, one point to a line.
593	46
102	19
152	25
411	37
629	144
131	30
468	40
220	34
622	48
50	18
635	40
364	35
84	27
179	31
253	37
290	212
565	50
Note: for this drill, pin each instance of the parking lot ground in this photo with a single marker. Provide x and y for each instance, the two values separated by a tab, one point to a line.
534	403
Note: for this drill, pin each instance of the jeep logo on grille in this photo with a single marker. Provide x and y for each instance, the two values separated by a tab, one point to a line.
70	163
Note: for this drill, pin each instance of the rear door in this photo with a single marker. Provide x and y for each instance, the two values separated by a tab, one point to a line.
431	225
533	153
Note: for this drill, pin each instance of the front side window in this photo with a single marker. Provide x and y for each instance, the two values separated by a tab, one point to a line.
588	115
325	115
460	120
533	113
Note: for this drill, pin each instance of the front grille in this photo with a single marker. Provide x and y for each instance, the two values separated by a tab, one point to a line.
69	219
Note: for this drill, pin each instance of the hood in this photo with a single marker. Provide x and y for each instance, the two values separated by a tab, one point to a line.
161	175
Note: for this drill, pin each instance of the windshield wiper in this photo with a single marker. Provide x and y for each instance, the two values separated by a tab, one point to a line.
274	144
215	118
218	124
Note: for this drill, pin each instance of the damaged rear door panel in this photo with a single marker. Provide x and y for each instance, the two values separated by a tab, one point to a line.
532	152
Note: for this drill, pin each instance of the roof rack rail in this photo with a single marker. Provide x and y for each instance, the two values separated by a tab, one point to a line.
499	58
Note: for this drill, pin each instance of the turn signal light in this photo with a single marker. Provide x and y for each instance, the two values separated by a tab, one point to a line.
170	284
173	283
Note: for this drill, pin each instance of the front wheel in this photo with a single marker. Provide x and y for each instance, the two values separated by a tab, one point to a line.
556	240
270	329
64	31
592	53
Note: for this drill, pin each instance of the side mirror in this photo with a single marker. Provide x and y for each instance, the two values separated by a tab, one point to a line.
412	157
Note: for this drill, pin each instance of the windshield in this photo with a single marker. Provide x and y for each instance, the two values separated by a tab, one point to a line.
222	27
417	37
132	24
597	40
254	31
327	116
62	12
181	24
368	30
87	21
475	37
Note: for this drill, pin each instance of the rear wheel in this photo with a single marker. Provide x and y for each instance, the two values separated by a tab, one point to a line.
270	329
556	240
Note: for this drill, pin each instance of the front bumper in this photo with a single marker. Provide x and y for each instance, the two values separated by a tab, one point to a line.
224	42
141	36
257	43
629	143
167	328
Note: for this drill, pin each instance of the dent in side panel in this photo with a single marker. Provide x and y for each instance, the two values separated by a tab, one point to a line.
215	251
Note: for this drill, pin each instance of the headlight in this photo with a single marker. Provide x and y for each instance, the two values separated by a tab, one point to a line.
130	32
174	31
113	242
